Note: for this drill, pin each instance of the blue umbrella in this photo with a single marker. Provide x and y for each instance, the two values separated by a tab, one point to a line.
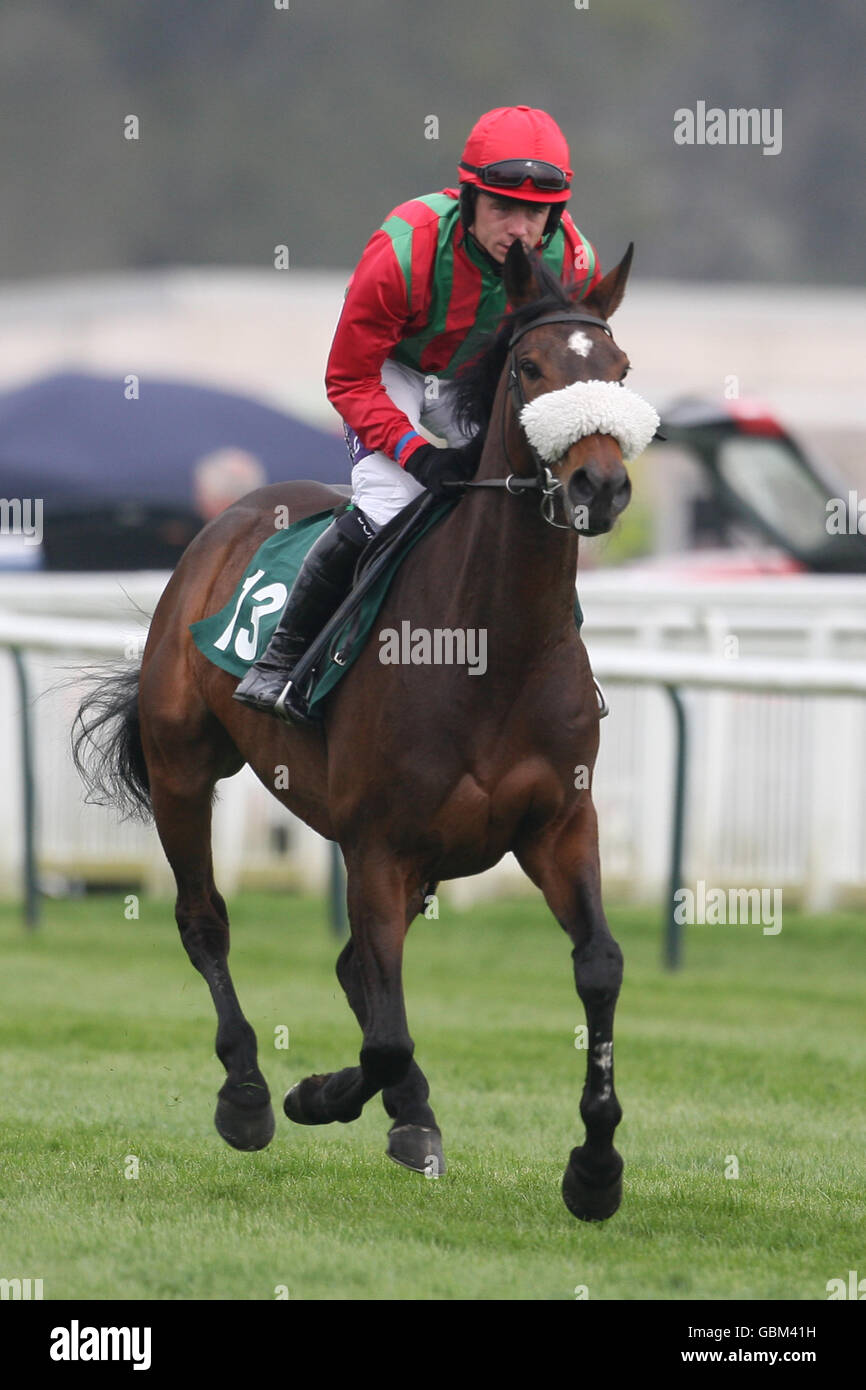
75	440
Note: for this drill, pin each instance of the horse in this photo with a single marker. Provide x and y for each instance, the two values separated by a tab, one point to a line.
419	773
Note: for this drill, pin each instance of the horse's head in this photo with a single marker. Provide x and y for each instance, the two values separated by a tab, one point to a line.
571	419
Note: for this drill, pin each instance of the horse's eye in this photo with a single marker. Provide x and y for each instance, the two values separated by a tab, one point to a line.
530	369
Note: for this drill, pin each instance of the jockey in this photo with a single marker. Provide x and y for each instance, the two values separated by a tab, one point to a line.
425	294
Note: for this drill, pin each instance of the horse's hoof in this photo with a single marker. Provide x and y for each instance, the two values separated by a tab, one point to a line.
418	1148
292	1105
591	1195
244	1128
308	1103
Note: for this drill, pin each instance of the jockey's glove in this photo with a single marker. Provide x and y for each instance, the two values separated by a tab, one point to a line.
434	467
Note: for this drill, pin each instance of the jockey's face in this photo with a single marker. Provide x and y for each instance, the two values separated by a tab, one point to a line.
500	221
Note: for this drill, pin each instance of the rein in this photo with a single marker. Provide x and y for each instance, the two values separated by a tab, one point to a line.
544	481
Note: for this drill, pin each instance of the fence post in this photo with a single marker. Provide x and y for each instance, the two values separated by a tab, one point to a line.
673	940
339	915
30	886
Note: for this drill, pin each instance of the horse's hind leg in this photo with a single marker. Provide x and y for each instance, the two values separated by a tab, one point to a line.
565	866
414	1138
182	782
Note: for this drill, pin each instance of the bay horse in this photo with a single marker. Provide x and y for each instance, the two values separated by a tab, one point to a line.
420	774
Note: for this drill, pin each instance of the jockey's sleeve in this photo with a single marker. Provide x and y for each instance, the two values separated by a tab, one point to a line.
375	317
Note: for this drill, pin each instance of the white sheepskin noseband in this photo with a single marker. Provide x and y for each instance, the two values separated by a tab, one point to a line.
555	421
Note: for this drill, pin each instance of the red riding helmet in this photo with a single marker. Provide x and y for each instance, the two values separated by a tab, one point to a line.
518	152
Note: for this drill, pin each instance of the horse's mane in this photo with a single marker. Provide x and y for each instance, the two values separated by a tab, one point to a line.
476	382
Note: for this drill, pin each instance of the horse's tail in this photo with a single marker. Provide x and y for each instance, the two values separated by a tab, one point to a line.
106	743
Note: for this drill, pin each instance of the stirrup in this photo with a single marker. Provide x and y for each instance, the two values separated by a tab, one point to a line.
292	708
603	706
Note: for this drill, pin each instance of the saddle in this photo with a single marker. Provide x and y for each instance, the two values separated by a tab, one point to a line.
344	634
236	636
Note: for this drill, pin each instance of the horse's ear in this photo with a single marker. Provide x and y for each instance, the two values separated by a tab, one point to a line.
608	293
518	277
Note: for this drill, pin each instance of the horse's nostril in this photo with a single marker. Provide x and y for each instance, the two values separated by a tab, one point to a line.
622	496
581	487
593	482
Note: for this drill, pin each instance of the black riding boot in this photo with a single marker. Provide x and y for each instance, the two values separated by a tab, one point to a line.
322	583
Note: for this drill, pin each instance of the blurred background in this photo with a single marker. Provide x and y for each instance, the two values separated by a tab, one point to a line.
186	189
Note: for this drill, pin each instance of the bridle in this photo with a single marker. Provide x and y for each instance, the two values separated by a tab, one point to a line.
544	480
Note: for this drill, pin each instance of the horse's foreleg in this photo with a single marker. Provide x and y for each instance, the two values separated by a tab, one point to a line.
414	1138
377	899
565	866
244	1116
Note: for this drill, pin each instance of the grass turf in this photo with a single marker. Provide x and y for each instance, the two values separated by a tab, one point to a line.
755	1050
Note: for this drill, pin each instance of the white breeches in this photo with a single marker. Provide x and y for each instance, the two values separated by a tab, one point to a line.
380	487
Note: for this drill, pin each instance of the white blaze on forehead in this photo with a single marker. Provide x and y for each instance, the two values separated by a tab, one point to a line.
579	343
556	420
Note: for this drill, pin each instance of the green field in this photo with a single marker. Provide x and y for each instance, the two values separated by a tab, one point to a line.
756	1049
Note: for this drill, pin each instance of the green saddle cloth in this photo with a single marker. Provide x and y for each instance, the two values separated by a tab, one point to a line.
236	636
